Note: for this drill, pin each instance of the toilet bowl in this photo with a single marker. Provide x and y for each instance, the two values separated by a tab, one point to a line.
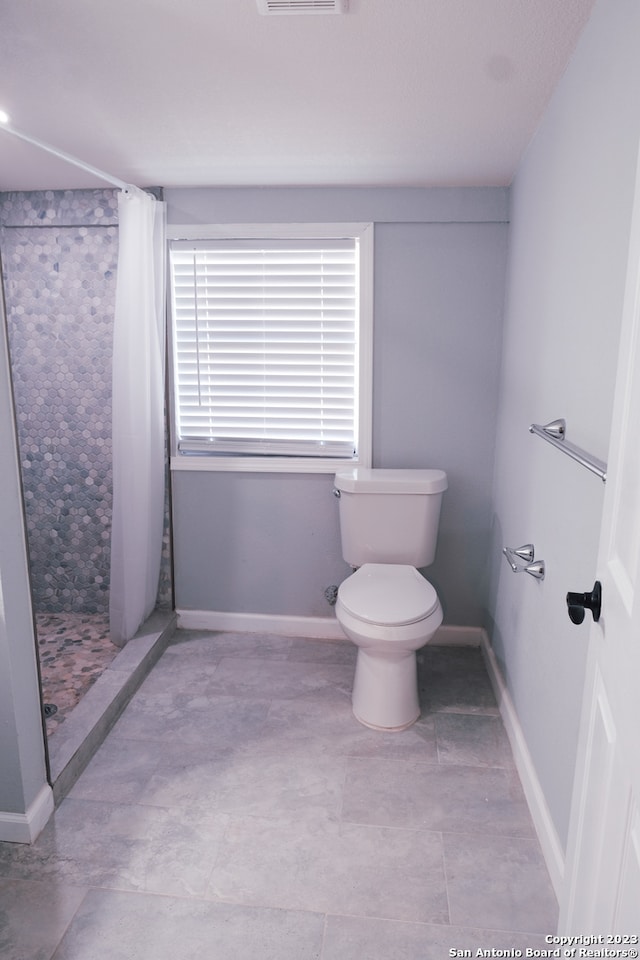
388	611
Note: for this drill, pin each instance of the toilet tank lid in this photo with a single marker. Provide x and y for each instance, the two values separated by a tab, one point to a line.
378	480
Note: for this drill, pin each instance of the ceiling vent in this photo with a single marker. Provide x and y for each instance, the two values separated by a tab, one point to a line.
271	7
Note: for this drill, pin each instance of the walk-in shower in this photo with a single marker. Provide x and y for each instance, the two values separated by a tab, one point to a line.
59	258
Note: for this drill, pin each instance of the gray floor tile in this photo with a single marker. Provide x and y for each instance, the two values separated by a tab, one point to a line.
473	740
436	797
215	722
454	679
237	801
118	772
354	938
210	646
284	784
322	651
500	882
283	680
123	846
175	673
116	926
326	866
34	917
310	725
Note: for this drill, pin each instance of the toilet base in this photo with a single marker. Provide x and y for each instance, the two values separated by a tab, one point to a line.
385	691
373	726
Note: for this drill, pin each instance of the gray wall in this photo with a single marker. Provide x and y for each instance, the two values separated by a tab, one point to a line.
250	543
570	218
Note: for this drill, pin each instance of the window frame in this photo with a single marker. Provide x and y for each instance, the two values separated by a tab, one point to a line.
269	463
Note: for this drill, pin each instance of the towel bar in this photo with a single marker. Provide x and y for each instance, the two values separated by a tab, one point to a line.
555	434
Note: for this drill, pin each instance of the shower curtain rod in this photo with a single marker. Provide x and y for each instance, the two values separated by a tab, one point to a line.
127	187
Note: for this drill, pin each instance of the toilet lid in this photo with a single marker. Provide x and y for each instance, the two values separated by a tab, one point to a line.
386	593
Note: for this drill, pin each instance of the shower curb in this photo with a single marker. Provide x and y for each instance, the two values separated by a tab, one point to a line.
74	742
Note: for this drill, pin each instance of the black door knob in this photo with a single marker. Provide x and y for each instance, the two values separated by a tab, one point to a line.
578	603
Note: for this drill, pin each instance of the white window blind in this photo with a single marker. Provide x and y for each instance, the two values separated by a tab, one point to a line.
265	346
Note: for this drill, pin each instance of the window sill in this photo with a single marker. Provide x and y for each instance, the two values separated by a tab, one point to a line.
262	464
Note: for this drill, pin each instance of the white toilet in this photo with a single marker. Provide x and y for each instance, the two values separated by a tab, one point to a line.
389	526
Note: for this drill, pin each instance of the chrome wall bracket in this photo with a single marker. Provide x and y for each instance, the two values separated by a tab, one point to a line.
514	554
521	560
536	569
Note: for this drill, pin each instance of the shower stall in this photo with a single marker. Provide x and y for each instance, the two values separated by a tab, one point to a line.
59	264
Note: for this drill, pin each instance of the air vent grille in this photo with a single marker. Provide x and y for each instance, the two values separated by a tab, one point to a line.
270	7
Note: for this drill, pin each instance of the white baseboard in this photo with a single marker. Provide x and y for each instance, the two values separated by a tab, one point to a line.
547	835
25	827
448	636
316	628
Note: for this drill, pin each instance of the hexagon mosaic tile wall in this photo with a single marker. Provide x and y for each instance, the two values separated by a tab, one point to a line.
59	255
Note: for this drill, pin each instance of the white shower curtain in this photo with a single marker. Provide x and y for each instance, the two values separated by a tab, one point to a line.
138	414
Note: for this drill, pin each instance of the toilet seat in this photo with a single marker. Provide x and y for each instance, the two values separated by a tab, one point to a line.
388	594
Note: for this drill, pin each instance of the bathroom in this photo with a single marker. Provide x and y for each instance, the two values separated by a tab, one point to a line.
66	465
494	309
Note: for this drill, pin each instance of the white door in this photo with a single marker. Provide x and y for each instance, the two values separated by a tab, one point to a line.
602	879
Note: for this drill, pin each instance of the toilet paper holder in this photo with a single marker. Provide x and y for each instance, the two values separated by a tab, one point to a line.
521	560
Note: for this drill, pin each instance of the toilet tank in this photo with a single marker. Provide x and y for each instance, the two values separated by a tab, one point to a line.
389	516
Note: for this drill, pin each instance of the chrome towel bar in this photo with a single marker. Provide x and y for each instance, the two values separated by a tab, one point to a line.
555	434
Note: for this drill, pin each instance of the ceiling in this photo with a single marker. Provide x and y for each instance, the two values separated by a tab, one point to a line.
211	93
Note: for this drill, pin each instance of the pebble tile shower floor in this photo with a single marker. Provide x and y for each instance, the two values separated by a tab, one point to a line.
74	650
238	810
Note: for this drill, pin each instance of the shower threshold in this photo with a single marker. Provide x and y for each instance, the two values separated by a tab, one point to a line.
72	744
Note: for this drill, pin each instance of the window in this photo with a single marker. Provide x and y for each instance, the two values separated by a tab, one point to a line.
271	336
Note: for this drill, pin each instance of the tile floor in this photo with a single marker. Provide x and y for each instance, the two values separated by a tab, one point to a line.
238	810
74	650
